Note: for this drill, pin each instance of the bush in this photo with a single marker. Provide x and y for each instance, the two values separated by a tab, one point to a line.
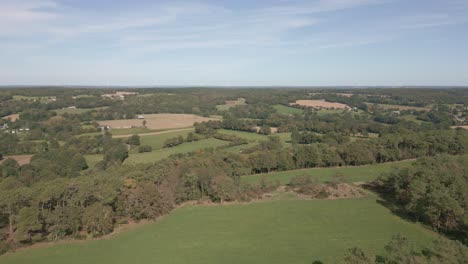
144	148
172	142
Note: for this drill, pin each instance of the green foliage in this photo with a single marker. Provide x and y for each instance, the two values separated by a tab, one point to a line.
134	140
144	148
98	219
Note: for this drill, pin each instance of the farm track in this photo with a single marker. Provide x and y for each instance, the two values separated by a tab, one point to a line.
153	133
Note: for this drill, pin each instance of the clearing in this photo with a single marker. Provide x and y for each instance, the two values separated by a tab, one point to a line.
286	110
321	104
280	231
12	117
21	159
352	173
160	154
157	121
401	107
230	103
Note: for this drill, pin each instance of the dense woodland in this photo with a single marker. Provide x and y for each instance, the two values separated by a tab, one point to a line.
58	195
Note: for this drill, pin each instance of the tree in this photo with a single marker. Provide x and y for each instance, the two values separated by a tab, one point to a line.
28	223
134	140
13	196
98	219
358	256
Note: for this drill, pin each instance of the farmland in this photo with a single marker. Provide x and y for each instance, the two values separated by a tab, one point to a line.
351	174
157	121
286	110
320	104
283	231
401	107
230	103
180	149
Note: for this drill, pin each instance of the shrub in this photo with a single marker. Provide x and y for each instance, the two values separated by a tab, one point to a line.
144	148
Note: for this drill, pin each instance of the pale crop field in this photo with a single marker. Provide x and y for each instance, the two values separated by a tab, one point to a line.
158	121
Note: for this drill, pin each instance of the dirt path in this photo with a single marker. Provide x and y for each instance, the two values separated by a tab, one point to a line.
153	133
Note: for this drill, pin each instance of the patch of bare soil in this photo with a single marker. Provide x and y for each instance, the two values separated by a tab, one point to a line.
157	121
21	159
12	117
464	127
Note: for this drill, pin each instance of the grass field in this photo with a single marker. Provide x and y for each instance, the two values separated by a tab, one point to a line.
286	110
231	103
401	107
283	231
130	131
93	159
352	174
76	110
160	154
157	141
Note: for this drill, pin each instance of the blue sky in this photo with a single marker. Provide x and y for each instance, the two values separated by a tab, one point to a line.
282	42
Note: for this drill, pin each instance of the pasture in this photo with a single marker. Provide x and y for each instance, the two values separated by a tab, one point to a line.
76	110
230	103
400	107
320	104
157	121
352	173
160	154
286	110
157	141
280	231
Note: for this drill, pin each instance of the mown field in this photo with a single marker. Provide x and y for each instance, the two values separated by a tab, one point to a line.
286	110
351	174
282	231
160	154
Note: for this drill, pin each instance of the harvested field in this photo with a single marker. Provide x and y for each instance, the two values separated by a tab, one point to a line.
320	104
12	117
157	121
21	159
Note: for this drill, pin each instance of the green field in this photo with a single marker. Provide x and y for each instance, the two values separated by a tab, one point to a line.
92	159
225	107
130	131
282	231
76	110
157	141
160	154
352	174
286	110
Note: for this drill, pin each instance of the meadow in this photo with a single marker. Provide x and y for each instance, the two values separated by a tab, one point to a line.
160	154
286	110
352	174
281	231
230	103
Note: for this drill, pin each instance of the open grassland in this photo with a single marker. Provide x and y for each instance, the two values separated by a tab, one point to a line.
413	118
130	131
320	104
157	121
160	154
352	174
401	107
230	103
282	231
286	110
157	141
76	110
93	159
254	137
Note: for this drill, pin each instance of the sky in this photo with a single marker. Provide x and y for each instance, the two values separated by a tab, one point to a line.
234	43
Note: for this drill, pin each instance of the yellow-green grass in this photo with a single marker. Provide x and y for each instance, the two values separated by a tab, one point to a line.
76	110
287	110
276	232
130	131
401	107
157	141
254	137
225	107
413	118
160	154
352	173
93	159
